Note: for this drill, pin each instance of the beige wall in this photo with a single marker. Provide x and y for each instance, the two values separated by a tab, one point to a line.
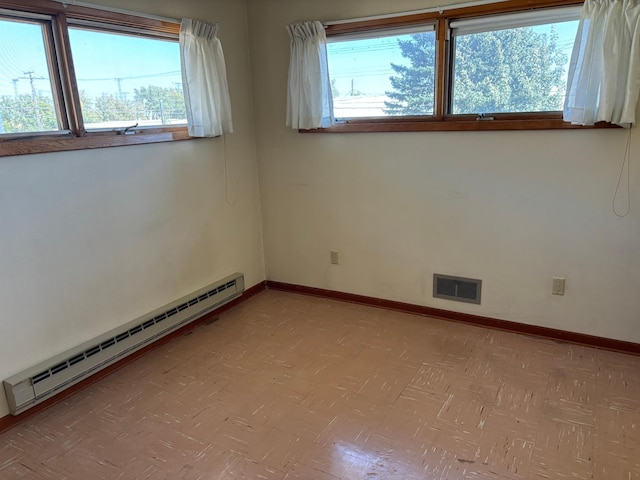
511	208
93	239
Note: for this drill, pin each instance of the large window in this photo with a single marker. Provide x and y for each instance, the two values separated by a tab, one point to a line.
134	80
27	100
512	63
73	77
498	66
373	75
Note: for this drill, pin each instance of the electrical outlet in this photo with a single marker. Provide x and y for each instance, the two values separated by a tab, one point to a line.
558	286
335	257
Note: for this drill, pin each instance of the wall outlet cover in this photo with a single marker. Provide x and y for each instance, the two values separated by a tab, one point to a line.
558	285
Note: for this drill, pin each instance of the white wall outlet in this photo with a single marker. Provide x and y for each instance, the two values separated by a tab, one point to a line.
335	257
558	285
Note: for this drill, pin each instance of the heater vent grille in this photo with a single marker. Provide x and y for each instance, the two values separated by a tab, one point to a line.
39	377
37	383
457	288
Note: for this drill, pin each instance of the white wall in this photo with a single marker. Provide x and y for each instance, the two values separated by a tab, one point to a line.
511	208
93	239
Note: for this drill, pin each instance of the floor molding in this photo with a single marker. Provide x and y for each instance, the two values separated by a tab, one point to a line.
10	421
515	327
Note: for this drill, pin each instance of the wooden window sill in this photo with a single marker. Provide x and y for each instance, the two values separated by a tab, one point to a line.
21	145
452	124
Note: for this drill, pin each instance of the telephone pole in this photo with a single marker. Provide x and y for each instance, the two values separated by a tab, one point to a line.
32	78
119	82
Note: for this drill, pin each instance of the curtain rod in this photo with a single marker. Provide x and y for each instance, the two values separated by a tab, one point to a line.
116	10
415	12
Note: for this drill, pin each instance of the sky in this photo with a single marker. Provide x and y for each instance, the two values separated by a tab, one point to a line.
365	64
131	62
21	51
100	59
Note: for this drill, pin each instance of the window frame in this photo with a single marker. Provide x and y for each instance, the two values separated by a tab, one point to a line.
422	27
73	135
442	120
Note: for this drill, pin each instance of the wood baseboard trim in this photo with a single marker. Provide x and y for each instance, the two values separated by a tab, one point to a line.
10	421
494	323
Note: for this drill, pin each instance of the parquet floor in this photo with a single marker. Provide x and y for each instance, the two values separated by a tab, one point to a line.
293	387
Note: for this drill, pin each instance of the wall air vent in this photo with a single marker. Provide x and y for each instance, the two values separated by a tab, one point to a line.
457	288
32	386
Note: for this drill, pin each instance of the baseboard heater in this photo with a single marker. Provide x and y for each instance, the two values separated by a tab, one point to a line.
36	384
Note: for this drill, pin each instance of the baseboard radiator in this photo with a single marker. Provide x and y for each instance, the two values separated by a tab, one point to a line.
36	384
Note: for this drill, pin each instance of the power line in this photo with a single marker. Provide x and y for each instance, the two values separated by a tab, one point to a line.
133	77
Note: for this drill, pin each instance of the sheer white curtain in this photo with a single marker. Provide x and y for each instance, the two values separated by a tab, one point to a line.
204	80
309	102
604	74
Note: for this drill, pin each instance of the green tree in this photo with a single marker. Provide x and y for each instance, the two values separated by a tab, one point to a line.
499	71
89	112
413	85
160	103
108	108
20	115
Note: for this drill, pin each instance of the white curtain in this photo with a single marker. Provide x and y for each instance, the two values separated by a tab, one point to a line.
604	74
204	80
309	102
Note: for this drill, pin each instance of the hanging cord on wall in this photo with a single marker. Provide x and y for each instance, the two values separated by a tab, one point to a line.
229	190
626	161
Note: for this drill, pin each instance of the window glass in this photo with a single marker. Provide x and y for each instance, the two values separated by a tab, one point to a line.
126	79
389	74
517	69
26	93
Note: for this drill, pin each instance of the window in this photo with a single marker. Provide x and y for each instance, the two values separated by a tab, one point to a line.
74	77
134	80
512	63
369	73
27	100
497	66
